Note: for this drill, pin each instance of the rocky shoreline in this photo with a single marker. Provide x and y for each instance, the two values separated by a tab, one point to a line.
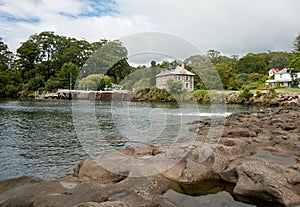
259	98
255	155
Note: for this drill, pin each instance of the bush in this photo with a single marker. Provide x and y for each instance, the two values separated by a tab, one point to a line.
272	93
258	94
246	94
35	83
154	94
201	95
52	84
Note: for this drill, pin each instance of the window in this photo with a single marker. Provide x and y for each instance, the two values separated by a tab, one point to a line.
178	77
186	85
280	75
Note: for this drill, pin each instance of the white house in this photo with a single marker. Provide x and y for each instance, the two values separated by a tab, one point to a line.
178	74
283	77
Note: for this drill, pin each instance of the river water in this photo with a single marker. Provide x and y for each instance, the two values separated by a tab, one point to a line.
47	139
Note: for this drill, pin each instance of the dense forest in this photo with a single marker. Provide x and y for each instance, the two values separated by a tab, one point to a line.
46	62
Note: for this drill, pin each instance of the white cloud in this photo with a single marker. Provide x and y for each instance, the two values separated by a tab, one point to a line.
231	26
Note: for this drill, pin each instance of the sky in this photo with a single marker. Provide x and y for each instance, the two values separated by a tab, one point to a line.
229	26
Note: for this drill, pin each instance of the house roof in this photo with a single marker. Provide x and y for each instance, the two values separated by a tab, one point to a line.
177	71
283	71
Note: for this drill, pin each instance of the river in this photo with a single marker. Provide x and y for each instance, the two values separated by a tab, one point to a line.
47	139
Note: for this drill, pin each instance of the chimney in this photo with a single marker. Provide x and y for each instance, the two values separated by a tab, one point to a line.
182	68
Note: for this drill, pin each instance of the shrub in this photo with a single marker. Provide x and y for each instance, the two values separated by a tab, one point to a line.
246	94
201	95
258	94
272	93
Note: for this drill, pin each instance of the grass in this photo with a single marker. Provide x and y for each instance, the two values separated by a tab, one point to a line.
289	89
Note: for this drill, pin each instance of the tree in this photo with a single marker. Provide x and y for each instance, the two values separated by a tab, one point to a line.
91	82
228	77
279	61
105	82
253	63
153	64
6	57
295	62
67	75
174	87
52	84
213	55
141	84
297	43
109	59
27	55
207	76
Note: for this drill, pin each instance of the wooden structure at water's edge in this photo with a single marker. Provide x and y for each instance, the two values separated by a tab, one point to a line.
121	95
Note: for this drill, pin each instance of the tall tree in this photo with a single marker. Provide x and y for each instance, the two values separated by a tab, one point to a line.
253	63
297	43
6	57
279	61
228	77
213	55
110	59
68	75
295	62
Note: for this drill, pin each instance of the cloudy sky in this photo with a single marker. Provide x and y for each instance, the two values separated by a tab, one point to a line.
229	26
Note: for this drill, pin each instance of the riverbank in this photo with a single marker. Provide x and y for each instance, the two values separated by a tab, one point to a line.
255	158
269	97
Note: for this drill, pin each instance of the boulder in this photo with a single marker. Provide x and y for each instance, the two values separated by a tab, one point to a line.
268	181
90	170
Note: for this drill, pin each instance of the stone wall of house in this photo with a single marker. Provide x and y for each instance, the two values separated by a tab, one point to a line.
187	81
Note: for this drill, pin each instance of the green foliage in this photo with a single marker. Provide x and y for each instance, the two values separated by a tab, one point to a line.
201	95
258	94
272	93
245	94
279	61
253	80
174	87
67	75
109	59
6	57
91	82
297	43
207	76
228	77
11	91
52	84
154	94
213	55
106	82
252	63
143	83
35	84
278	85
295	62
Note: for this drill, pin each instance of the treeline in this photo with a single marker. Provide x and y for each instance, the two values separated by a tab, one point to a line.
47	61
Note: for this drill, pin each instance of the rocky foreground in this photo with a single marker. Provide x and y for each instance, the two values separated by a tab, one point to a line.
257	154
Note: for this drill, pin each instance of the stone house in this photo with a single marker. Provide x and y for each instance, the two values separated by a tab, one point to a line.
178	74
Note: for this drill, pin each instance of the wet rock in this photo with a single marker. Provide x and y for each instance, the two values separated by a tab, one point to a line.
104	204
90	170
268	181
